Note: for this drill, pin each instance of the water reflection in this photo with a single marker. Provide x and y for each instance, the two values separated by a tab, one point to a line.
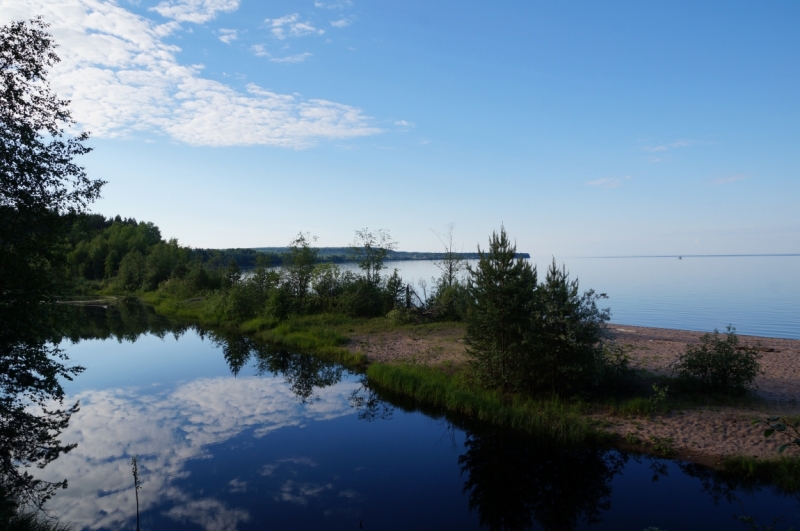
513	480
303	373
283	441
124	320
168	430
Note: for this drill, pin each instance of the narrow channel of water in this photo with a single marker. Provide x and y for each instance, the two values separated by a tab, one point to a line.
233	435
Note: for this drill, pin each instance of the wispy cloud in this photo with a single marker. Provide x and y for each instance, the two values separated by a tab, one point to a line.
122	78
731	179
341	23
197	11
609	182
228	35
403	123
299	58
260	50
665	147
289	26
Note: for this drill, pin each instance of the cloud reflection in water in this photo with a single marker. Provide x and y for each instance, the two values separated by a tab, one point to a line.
168	428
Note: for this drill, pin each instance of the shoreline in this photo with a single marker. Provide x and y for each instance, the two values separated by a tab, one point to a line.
704	434
655	349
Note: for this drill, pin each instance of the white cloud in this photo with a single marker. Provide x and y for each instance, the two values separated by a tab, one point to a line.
341	23
403	123
228	35
260	50
609	182
289	26
197	11
731	179
122	78
299	58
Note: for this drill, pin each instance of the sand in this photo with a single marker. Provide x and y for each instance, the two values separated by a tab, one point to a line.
703	435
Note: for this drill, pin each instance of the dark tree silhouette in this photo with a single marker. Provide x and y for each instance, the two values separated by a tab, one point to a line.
40	186
514	480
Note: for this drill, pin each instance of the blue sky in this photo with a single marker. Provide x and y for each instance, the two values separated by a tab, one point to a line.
586	128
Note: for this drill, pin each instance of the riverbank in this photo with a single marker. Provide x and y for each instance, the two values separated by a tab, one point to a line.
426	362
705	433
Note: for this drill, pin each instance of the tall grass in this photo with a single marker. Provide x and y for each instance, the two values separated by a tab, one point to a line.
553	418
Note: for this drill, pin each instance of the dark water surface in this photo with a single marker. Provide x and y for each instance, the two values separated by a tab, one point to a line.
234	435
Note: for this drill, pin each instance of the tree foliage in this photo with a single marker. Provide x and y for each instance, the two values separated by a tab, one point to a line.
546	338
40	185
565	337
370	249
501	289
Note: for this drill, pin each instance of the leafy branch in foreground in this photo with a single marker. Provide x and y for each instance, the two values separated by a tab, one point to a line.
788	427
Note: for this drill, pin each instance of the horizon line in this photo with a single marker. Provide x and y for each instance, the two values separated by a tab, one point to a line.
691	255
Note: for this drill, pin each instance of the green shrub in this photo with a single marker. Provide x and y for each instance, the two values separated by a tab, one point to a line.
719	364
449	302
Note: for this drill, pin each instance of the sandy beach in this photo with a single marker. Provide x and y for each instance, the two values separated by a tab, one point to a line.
704	434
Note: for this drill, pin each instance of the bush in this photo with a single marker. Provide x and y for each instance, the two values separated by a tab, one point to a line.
719	364
449	302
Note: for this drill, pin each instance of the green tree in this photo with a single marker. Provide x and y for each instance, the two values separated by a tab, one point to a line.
565	338
131	271
233	275
299	267
370	249
40	185
501	291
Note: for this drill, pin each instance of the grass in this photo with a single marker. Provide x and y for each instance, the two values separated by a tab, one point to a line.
554	418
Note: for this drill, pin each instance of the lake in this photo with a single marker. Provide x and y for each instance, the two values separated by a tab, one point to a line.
759	295
234	435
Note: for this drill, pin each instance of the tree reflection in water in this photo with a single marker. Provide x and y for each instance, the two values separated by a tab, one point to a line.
123	320
302	372
514	480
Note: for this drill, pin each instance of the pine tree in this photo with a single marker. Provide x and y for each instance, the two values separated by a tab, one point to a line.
501	291
565	338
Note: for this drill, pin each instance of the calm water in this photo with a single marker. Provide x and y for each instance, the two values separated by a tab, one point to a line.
759	295
233	435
